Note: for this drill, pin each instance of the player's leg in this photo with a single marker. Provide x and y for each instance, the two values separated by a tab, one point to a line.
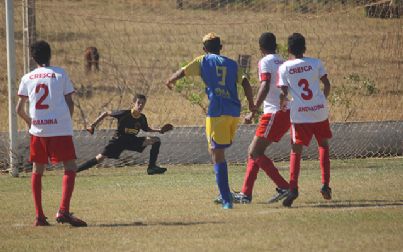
221	172
252	169
39	157
272	127
68	182
301	134
155	143
36	184
90	163
323	134
112	150
61	149
220	132
324	162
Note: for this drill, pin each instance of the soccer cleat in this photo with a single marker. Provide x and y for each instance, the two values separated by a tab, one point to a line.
227	205
155	170
218	199
292	195
41	221
63	217
326	192
281	194
241	198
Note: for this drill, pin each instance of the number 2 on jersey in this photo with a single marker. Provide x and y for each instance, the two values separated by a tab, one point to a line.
39	104
308	95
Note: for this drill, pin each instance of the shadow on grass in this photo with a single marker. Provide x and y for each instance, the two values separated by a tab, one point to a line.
354	204
168	223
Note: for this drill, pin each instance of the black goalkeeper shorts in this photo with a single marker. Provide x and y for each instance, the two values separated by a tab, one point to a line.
116	146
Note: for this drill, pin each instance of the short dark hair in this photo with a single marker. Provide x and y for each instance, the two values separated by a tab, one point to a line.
296	44
212	42
40	52
213	45
139	96
267	41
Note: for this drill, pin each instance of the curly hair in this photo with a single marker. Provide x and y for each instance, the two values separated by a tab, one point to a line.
296	44
41	52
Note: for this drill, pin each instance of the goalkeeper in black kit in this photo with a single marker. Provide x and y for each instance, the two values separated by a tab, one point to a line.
130	122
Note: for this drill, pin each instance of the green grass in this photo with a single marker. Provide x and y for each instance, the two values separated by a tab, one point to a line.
128	210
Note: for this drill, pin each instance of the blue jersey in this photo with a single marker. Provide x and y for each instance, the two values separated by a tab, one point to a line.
221	75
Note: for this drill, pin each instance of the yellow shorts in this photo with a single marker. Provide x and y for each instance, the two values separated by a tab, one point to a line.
220	131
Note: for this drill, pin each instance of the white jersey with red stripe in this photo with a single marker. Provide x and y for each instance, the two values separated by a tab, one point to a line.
302	77
46	88
267	68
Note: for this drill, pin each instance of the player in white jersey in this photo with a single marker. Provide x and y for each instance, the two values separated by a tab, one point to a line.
273	124
49	92
301	77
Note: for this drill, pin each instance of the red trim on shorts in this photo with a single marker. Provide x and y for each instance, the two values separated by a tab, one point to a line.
56	149
273	126
302	133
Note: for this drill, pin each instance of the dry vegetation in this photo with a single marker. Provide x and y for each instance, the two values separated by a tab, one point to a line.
142	42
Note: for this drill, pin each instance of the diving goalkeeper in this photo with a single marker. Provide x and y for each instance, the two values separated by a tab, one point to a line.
130	122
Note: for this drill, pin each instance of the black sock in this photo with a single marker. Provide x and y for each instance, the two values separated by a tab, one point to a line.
90	163
155	149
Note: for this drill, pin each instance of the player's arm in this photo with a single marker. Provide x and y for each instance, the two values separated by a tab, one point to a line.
264	89
153	130
69	100
248	94
191	69
20	108
170	83
326	83
283	97
283	84
99	119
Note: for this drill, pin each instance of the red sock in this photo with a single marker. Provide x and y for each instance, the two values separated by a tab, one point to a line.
252	170
67	190
268	167
36	184
324	161
295	166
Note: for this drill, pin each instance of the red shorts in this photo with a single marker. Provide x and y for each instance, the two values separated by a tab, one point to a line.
56	149
301	133
273	126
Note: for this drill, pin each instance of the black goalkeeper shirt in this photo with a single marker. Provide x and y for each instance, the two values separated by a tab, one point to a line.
128	126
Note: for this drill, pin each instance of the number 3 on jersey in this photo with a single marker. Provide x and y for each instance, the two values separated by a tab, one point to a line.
221	74
308	92
39	104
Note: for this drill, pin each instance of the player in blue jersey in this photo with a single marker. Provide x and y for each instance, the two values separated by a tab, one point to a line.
221	76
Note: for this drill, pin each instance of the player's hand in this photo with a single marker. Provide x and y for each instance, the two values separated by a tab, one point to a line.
249	118
167	127
91	129
170	84
29	122
252	108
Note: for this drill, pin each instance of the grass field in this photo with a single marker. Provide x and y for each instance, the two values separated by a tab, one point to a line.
128	210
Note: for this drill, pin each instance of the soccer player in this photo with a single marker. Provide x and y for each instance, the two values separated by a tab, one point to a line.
221	76
273	124
309	111
130	122
49	92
